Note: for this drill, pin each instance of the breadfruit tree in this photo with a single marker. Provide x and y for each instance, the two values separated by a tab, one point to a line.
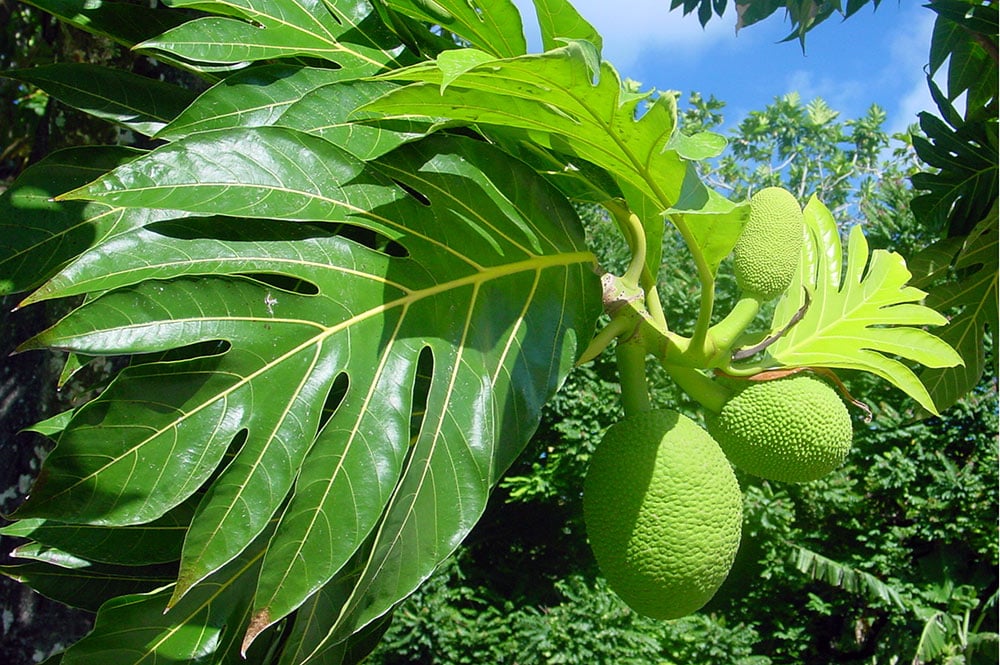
347	275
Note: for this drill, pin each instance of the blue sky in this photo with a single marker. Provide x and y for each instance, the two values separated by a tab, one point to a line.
876	56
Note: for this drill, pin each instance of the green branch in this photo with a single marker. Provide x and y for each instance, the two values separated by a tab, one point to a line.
722	337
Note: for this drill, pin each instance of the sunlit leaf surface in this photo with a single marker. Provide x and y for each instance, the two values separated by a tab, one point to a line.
863	318
370	344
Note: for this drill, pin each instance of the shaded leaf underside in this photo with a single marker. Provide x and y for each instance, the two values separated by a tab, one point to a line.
971	301
571	102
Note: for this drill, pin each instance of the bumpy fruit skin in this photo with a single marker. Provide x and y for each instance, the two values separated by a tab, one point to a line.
664	513
793	429
766	255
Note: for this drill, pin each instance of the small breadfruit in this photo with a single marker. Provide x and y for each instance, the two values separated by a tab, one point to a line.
766	255
793	429
664	513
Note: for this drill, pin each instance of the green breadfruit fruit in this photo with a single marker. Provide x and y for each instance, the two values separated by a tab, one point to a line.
766	255
793	429
664	513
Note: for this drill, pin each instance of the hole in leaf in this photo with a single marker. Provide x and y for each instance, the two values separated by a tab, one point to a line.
421	389
334	398
235	446
418	196
395	250
240	230
373	240
207	349
228	229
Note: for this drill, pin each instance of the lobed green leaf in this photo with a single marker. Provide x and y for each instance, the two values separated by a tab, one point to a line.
124	22
158	541
971	300
87	587
314	100
206	625
343	32
367	376
39	235
570	102
861	319
559	21
496	29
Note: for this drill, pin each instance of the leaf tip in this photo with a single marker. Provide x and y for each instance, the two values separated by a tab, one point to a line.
71	195
181	587
260	621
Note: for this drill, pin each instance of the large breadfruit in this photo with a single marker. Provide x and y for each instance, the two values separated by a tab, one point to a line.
664	513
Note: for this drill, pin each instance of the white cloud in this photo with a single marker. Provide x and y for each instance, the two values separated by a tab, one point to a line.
910	44
909	105
630	27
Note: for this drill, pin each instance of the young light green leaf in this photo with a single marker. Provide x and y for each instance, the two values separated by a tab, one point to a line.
142	104
821	247
715	223
495	28
698	147
571	102
565	98
559	21
864	318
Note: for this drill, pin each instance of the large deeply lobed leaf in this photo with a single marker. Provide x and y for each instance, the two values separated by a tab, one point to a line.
341	335
436	298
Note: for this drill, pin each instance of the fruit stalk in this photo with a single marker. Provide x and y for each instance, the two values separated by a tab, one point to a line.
724	334
630	355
